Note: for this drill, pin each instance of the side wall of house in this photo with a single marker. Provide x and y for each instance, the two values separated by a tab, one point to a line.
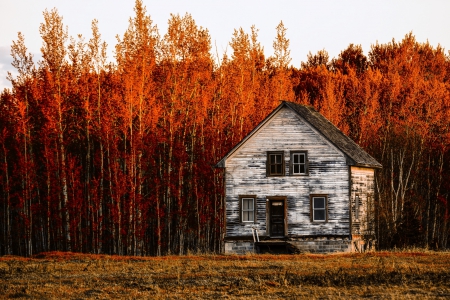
362	208
328	175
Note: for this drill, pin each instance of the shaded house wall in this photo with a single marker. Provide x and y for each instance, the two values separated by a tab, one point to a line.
362	208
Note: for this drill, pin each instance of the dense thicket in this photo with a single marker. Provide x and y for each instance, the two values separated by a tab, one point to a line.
119	157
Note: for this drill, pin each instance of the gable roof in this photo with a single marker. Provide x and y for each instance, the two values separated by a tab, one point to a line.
355	155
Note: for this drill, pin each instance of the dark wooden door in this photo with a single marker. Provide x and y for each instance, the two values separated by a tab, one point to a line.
276	218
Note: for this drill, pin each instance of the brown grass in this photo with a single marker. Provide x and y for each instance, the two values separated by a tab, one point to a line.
385	275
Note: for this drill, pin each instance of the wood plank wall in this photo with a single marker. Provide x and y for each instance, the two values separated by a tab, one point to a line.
362	185
328	174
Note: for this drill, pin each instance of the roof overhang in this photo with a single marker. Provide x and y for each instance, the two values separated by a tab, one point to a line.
221	163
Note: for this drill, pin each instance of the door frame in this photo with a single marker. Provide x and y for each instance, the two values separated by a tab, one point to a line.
269	199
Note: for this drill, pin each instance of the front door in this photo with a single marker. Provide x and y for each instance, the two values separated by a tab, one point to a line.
276	218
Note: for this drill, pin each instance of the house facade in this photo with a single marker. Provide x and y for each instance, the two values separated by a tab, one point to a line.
297	182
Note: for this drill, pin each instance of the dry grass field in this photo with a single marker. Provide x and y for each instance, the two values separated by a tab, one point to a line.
380	275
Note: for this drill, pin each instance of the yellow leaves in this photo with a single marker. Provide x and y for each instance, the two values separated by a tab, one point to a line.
54	37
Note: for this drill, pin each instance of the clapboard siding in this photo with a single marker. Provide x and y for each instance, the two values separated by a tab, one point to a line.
362	185
328	174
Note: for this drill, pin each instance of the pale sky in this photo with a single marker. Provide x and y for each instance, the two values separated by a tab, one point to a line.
311	25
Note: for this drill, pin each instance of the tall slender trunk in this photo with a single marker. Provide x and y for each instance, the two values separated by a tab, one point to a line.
99	124
100	211
158	208
48	212
65	195
63	175
89	205
115	202
8	237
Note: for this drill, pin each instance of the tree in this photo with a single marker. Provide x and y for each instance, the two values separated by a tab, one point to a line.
281	85
53	67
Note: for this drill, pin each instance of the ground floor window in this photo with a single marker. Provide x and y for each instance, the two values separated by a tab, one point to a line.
247	208
319	208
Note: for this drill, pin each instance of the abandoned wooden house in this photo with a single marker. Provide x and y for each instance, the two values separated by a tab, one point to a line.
297	183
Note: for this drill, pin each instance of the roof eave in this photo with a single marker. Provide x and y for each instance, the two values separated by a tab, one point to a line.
349	159
377	166
221	163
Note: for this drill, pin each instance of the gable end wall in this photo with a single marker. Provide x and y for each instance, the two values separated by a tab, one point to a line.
328	174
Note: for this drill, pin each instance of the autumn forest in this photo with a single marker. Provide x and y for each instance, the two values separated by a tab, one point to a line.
118	157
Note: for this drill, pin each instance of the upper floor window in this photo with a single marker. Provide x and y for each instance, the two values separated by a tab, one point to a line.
275	163
299	163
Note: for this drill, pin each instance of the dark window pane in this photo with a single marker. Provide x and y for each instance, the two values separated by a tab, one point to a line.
278	158
272	159
296	169
296	160
275	164
357	207
302	158
319	215
302	169
319	202
279	169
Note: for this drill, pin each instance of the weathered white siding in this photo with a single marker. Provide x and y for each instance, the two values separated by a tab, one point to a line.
328	174
362	186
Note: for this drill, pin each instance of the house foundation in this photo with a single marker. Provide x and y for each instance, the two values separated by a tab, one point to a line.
292	245
239	247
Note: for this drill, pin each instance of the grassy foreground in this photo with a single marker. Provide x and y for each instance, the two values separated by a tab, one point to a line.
386	275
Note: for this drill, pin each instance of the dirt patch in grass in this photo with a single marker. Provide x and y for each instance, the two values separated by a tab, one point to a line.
386	275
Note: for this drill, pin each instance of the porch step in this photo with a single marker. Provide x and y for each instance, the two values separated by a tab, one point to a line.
292	248
277	247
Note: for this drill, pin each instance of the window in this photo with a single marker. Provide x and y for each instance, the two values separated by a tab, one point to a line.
356	207
299	163
247	209
275	163
319	208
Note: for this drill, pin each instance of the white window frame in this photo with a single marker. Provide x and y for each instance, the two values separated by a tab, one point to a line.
299	164
247	212
325	208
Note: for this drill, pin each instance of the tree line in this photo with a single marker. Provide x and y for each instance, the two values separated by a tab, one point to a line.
118	157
